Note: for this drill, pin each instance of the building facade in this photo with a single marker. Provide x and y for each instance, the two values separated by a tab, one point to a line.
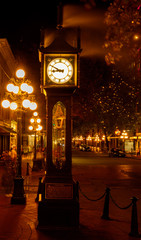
7	117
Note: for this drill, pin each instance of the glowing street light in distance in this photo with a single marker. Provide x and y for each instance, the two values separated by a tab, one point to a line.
32	120
39	128
38	120
30	128
35	114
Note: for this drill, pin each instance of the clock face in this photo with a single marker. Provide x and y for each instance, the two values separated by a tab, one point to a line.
60	70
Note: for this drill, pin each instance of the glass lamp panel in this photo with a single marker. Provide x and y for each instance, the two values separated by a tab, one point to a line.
59	135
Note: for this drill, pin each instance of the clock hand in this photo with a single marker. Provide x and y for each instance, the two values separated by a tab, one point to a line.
57	69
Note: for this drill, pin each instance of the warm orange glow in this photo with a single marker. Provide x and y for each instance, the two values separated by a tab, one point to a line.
136	37
117	132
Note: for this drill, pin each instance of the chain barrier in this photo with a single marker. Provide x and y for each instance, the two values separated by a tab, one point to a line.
134	219
93	200
122	208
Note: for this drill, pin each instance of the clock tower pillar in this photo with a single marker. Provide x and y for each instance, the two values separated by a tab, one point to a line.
58	199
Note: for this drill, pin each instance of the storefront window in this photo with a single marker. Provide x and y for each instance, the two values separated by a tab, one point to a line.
58	134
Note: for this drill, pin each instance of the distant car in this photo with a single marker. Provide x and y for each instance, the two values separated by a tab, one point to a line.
84	148
116	152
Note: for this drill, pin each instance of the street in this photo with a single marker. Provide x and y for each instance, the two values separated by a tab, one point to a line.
98	171
114	172
95	172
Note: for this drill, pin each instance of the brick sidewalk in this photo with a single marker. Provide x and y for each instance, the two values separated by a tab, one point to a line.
18	222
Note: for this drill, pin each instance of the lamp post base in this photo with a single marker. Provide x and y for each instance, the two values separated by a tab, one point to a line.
18	193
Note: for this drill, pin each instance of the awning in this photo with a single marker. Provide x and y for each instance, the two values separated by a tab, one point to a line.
6	130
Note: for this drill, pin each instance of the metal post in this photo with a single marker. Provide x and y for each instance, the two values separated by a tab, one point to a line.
35	167
134	219
18	196
106	205
35	146
19	142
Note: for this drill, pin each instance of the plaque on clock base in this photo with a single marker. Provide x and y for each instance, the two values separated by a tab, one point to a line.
58	206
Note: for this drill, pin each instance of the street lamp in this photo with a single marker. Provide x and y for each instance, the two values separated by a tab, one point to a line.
124	136
35	126
17	98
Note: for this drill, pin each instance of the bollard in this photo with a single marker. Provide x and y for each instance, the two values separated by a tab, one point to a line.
134	219
106	205
27	169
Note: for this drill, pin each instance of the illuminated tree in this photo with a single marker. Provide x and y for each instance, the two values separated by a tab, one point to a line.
123	24
106	100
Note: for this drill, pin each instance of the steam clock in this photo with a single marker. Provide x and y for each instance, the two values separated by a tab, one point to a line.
58	199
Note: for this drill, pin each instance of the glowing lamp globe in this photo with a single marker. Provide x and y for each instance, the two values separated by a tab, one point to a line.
32	120
30	128
10	87
39	128
24	87
35	114
38	120
33	105
29	89
13	106
20	73
26	103
15	89
5	103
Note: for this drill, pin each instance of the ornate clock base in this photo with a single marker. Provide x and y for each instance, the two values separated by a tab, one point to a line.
60	207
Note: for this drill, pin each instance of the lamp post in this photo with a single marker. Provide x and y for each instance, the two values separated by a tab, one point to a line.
117	134
124	136
35	121
19	92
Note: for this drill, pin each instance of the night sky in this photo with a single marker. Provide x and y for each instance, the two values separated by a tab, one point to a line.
21	25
